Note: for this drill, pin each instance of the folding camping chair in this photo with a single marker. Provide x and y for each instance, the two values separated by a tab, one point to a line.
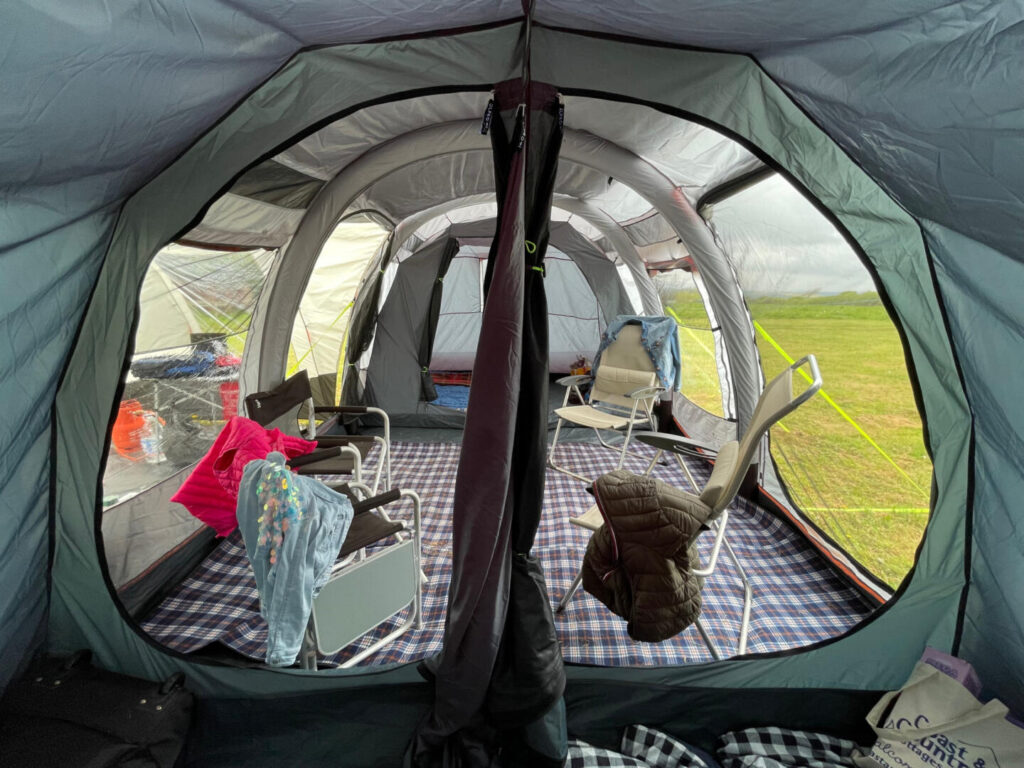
282	407
625	388
370	583
732	461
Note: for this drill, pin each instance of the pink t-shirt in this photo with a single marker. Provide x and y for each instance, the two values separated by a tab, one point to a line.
211	491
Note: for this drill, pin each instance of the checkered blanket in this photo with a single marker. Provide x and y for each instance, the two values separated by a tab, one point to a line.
797	599
769	747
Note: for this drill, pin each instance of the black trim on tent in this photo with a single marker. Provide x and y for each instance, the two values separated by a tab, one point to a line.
232	730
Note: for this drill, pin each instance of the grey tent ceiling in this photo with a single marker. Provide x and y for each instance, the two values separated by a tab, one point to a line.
264	206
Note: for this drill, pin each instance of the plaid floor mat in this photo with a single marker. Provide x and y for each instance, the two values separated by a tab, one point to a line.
797	599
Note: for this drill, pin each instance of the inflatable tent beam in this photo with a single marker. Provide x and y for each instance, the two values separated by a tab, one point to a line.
590	213
272	320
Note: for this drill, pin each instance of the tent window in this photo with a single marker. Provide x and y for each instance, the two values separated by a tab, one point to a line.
854	461
321	325
684	298
195	308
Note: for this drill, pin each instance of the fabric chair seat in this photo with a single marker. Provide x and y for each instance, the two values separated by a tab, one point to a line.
588	416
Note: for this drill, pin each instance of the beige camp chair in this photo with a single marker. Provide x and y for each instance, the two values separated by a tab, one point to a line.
283	406
732	461
625	388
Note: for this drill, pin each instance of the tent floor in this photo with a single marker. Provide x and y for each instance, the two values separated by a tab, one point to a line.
798	599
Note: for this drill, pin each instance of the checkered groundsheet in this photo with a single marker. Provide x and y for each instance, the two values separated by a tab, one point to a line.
797	599
768	747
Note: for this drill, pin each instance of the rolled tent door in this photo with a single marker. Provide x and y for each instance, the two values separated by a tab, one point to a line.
500	669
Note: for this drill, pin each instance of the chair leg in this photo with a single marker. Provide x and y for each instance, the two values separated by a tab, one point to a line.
625	445
554	442
382	460
307	653
748	599
573	588
551	457
707	640
689	476
653	464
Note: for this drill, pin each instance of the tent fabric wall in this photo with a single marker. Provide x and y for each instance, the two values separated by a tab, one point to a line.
394	379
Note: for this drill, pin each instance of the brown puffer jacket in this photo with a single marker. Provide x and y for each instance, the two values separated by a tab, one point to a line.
639	562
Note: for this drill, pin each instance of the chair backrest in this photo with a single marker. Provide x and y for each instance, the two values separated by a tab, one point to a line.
777	400
280	407
624	366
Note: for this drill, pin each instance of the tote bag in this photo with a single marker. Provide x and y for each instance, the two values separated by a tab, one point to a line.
935	722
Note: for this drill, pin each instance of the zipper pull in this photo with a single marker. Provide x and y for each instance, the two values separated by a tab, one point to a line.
485	126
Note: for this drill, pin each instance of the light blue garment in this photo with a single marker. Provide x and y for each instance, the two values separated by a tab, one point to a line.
660	338
293	528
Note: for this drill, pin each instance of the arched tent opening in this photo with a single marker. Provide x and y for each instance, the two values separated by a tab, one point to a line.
426	332
346	128
399	193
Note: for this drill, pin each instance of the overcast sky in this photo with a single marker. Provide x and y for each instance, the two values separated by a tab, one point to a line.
781	245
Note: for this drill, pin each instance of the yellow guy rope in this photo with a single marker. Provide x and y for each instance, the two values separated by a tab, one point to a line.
840	411
309	351
696	338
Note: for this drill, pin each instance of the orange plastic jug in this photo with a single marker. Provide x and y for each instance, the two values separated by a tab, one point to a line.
127	430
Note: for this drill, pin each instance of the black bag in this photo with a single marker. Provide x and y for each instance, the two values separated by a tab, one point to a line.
65	712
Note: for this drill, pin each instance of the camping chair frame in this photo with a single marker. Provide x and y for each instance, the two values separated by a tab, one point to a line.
283	407
766	414
365	589
642	397
383	466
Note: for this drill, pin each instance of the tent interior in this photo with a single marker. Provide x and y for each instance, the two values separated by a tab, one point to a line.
255	194
390	316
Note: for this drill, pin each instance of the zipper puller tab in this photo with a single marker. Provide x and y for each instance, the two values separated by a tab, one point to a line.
485	126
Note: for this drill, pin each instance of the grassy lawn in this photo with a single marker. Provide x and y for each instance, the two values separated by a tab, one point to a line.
872	500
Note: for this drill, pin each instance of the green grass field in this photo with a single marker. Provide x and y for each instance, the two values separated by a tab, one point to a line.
872	500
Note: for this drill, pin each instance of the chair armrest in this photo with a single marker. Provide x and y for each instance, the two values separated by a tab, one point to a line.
333	441
574	381
642	393
677	444
340	409
318	455
379	500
